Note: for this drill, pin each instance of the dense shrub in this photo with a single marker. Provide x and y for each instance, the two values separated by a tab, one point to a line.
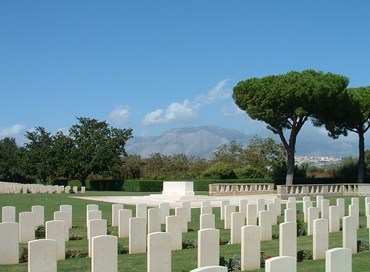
105	185
143	185
75	182
249	172
220	171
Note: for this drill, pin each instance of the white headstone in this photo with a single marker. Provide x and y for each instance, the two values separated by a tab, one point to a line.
229	209
319	198
159	252
187	206
137	235
320	238
250	248
355	200
9	243
142	210
290	215
350	233
68	208
205	203
354	210
154	220
252	214
208	247
174	228
325	209
115	208
306	205
54	230
313	213
124	216
288	239
104	255
95	228
64	216
8	214
207	221
277	201
222	208
164	207
341	207
237	222
42	255
334	225
265	225
206	210
260	205
338	260
94	214
26	227
182	212
210	269
243	206
280	264
272	208
38	210
91	207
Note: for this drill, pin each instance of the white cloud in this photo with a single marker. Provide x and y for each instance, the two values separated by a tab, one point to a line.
188	110
120	115
175	112
13	131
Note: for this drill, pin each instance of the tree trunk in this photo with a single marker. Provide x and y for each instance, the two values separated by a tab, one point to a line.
290	165
361	158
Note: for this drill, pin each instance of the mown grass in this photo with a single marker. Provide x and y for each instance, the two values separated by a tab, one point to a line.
182	260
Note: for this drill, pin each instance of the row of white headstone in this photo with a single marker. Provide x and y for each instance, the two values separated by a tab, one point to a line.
136	228
18	188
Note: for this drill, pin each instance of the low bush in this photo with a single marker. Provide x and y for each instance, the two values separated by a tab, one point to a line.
135	185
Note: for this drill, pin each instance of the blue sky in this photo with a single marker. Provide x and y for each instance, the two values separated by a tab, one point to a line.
155	65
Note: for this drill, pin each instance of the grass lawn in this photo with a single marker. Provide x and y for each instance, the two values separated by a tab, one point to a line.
182	260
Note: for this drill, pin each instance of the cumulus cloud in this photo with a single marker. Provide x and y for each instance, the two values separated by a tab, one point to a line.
175	112
119	115
13	131
187	110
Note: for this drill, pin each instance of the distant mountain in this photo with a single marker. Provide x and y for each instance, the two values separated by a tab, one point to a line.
191	141
202	141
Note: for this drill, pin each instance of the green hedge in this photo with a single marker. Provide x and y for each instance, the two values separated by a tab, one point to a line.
143	185
203	184
104	185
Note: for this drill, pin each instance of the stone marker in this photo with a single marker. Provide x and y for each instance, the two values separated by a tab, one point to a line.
174	228
229	209
334	225
26	227
320	238
277	201
137	235
341	207
83	189
115	208
104	256
354	210
96	227
38	210
124	216
306	198
222	209
355	200
68	208
8	214
205	203
9	243
182	212
319	198
271	207
164	207
154	220
313	213
206	210
237	222
42	256
260	205
210	269
159	252
94	214
338	260
350	233
64	216
187	206
207	221
208	247
325	209
75	189
280	264
91	207
250	248
252	214
265	225
54	230
142	210
367	201
290	215
243	206
288	239
306	205
291	205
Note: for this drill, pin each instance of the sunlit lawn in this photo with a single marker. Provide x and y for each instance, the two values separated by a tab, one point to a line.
183	260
